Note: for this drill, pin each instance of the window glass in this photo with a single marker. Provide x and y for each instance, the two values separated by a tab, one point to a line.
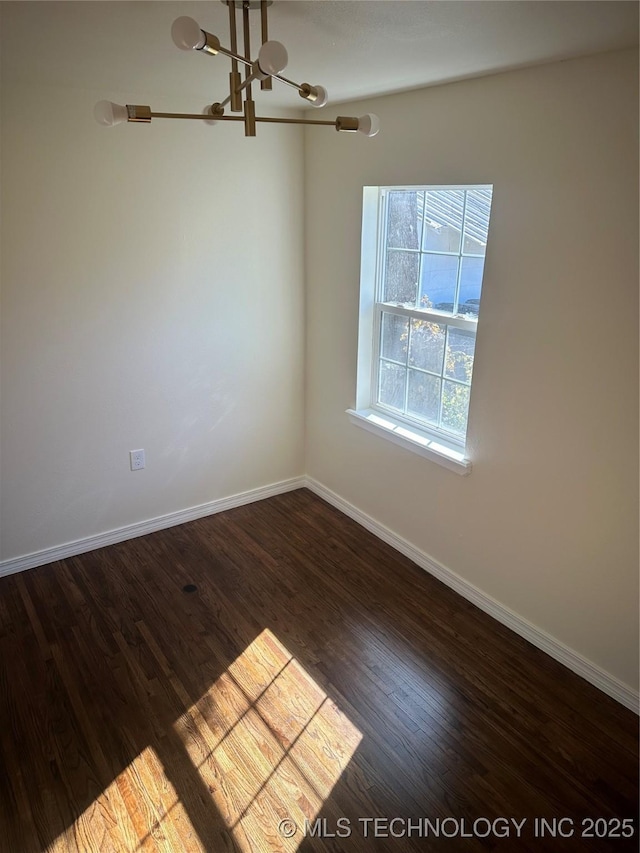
426	349
401	277
438	282
430	289
404	222
395	335
443	220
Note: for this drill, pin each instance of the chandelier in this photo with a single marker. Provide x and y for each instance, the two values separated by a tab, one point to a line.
271	61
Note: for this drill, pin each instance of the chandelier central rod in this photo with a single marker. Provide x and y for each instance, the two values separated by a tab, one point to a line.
234	36
246	34
265	84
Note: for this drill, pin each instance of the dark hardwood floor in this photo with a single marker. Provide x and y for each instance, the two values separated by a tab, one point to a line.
314	675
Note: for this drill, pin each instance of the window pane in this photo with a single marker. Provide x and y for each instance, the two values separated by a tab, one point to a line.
392	384
424	396
443	220
470	285
455	407
403	222
476	222
401	277
459	359
426	349
438	286
395	334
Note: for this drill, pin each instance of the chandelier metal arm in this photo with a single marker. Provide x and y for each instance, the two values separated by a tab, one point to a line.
302	88
298	121
288	82
205	117
235	57
109	114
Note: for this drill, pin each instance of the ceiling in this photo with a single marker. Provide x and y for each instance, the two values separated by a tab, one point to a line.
355	48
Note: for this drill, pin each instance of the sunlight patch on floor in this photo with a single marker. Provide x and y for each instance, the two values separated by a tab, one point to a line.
263	745
140	809
268	744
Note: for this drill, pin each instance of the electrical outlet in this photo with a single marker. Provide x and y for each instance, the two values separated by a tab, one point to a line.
136	459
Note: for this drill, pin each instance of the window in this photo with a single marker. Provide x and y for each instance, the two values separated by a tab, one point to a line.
423	253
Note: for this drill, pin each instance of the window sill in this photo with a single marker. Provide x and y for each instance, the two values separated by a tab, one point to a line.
410	439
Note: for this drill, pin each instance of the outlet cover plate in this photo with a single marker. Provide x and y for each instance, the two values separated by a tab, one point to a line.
136	459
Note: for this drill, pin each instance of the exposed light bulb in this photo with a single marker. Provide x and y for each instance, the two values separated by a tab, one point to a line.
186	34
107	113
316	95
213	112
322	97
369	124
272	58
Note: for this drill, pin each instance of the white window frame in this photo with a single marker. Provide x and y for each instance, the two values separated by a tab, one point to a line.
439	445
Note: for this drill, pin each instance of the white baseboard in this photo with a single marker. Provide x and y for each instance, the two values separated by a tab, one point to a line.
131	531
572	660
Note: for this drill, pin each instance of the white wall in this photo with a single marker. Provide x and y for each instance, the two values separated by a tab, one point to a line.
547	522
150	301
